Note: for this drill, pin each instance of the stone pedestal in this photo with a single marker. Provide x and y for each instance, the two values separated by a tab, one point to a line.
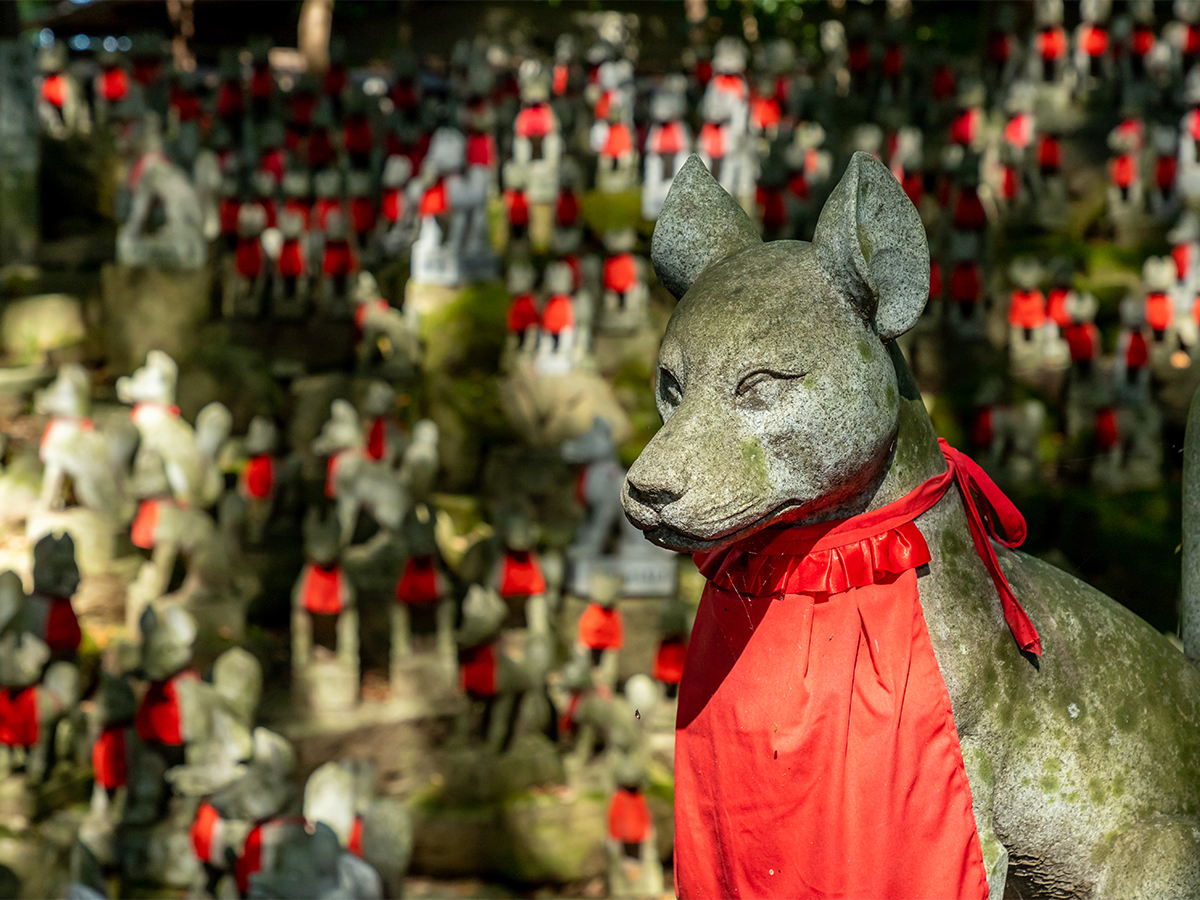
325	687
152	309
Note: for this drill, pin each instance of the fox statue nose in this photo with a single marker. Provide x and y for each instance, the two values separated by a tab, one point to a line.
645	500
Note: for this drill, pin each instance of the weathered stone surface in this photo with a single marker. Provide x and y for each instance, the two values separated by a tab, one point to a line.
33	326
152	309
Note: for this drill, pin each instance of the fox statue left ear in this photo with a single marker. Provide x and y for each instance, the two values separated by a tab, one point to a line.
700	224
871	243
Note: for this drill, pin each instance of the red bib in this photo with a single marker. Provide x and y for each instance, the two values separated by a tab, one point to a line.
377	440
666	139
481	150
566	209
420	582
523	313
559	314
323	590
1122	170
248	257
205	830
1108	435
816	753
601	629
628	817
1027	309
339	258
619	141
1136	352
354	842
62	625
620	272
1181	254
520	575
712	140
393	204
291	259
477	670
54	90
109	761
1159	310
114	85
158	719
535	121
145	523
516	205
19	716
1056	306
668	661
1083	341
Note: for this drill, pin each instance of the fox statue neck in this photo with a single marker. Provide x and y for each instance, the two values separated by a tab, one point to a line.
916	456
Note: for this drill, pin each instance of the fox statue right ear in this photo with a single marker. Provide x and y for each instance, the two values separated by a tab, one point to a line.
700	224
870	242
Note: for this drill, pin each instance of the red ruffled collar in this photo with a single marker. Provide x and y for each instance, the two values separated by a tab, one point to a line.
832	557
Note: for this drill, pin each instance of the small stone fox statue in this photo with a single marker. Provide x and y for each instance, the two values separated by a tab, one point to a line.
789	416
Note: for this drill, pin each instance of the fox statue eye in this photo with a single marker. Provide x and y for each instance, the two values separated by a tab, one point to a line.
760	390
669	390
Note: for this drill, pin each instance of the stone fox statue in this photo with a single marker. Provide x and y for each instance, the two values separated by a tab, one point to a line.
880	697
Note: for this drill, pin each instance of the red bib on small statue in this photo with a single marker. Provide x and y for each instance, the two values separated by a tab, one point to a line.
18	716
816	753
158	718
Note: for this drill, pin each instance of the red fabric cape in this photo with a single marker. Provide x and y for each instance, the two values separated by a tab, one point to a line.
324	590
109	761
421	581
477	670
815	753
19	716
158	718
258	478
519	575
628	817
601	629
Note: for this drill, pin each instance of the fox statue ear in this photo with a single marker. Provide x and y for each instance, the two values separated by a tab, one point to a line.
871	243
700	224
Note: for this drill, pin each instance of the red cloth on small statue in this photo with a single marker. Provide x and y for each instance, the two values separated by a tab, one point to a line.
628	817
204	833
668	661
935	279
354	842
54	90
19	716
1108	435
559	314
520	575
965	127
110	765
943	86
324	206
983	432
339	258
765	112
321	152
816	753
620	272
481	149
999	48
1027	309
1049	153
1052	43
1019	130
356	135
145	523
914	186
158	719
523	313
730	84
1159	310
393	204
712	140
601	629
1083	341
1093	40
249	257
535	121
303	105
477	670
566	209
114	84
323	590
618	142
1141	41
227	215
1056	306
291	259
969	214
666	139
433	201
1122	170
1137	354
362	214
1181	255
420	582
379	305
964	283
377	439
62	626
516	205
770	202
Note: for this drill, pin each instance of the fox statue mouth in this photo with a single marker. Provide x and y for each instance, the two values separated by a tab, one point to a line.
682	540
